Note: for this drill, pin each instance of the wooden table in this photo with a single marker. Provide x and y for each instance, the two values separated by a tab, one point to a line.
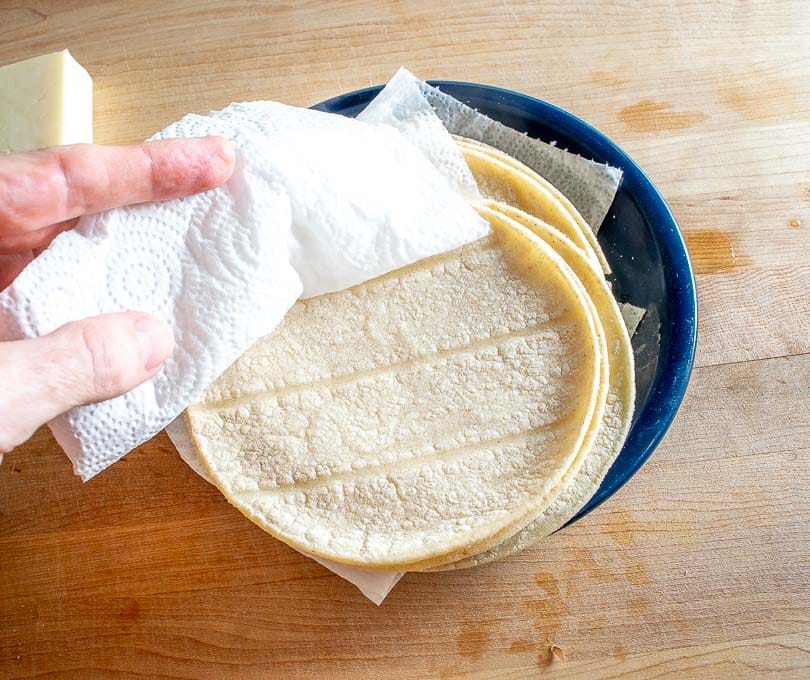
699	567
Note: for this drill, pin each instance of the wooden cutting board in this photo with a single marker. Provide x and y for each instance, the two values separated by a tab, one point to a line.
699	567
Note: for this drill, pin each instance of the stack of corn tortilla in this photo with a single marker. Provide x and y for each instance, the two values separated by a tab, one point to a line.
441	416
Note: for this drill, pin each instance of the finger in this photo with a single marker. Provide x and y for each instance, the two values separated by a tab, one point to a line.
12	265
82	362
30	240
42	188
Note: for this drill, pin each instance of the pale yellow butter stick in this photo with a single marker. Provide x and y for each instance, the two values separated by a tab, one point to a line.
45	101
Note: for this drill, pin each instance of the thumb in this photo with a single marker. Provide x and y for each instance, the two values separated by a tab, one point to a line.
79	363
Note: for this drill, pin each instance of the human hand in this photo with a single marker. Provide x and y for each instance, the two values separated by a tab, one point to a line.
43	193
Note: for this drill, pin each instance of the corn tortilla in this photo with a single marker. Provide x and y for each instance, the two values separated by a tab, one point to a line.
583	478
505	179
416	419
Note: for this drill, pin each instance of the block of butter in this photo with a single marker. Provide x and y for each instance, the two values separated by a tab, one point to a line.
45	101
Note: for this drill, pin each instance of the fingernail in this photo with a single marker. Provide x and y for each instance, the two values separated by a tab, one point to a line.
155	339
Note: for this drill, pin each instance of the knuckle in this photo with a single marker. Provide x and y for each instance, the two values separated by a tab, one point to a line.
107	376
14	213
24	179
151	169
52	175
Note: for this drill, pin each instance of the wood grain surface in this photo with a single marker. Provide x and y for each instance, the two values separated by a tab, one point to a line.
699	567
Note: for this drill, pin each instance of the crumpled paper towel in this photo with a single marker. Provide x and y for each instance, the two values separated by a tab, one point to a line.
317	203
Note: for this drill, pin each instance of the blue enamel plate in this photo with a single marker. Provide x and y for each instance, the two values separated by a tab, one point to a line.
645	250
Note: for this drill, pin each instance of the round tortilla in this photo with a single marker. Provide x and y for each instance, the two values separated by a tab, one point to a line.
505	179
418	418
583	478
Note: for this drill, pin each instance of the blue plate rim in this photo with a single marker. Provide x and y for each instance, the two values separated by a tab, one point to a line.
675	366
